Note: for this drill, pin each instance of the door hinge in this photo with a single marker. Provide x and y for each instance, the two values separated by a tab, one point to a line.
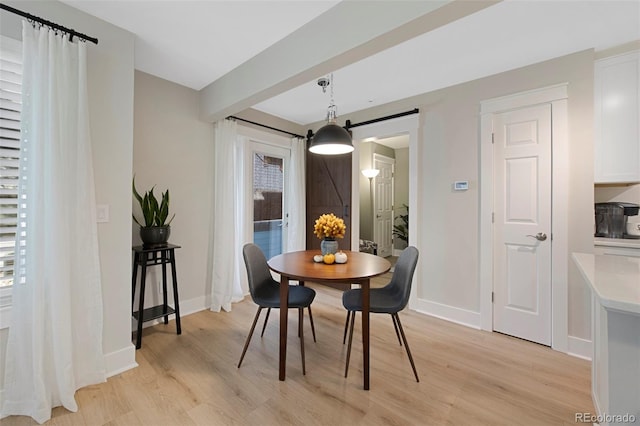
493	217
492	137
492	297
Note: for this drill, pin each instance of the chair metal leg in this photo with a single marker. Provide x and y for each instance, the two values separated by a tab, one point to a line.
265	322
313	328
253	326
406	346
395	325
301	332
346	327
353	320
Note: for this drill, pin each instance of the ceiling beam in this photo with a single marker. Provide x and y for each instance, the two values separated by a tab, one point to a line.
346	33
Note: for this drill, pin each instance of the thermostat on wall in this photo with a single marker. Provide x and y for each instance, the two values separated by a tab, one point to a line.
461	185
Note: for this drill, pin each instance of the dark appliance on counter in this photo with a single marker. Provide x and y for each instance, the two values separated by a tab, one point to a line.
611	219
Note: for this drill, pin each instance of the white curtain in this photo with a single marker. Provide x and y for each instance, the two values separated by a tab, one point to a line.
55	336
296	191
226	236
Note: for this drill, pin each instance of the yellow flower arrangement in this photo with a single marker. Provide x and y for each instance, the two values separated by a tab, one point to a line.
329	226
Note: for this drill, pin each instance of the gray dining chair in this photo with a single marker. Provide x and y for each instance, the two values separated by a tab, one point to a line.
389	299
265	292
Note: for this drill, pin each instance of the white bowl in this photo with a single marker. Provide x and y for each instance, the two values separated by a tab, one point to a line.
633	228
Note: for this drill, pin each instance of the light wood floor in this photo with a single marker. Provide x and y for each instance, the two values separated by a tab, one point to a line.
467	377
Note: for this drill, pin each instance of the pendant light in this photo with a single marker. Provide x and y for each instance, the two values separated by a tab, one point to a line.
330	139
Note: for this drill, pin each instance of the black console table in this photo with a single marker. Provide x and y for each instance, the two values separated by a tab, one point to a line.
151	256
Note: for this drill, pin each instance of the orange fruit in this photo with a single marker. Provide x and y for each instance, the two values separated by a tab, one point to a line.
329	258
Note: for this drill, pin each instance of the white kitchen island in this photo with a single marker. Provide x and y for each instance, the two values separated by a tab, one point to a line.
615	287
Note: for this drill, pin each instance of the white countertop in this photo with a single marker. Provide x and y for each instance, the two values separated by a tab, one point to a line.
615	280
617	242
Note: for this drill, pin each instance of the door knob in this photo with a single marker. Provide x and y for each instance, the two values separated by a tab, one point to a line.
540	236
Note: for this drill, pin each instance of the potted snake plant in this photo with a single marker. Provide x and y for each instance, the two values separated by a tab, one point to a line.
154	226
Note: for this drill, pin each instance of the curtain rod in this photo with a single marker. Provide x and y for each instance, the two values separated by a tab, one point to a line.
265	126
50	24
348	124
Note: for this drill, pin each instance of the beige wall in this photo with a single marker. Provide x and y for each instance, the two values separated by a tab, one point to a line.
110	78
451	153
623	193
449	150
401	189
173	150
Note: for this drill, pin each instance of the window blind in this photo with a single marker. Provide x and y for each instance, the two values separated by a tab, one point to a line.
10	108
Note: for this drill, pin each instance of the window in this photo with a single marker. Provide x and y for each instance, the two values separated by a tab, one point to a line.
268	188
10	107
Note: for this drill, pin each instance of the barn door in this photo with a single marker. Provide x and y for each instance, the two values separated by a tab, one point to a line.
328	191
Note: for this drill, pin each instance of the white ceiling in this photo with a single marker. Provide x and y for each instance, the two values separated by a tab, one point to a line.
194	43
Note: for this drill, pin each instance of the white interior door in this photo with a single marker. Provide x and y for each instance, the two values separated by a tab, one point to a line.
522	223
383	205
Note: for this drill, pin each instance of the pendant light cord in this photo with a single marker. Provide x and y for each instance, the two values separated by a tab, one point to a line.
332	113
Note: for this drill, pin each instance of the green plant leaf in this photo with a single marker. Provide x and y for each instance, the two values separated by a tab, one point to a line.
147	210
153	207
163	212
401	230
135	192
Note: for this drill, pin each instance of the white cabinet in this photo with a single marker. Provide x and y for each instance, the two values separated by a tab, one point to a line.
617	117
615	366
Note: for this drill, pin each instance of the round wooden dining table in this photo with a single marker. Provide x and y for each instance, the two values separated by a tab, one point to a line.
299	265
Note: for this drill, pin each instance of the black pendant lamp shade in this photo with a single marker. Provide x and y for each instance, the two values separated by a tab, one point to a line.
331	139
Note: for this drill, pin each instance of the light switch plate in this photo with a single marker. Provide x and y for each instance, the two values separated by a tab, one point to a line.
102	213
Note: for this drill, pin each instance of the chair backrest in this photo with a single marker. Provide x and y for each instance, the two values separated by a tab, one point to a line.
258	272
403	274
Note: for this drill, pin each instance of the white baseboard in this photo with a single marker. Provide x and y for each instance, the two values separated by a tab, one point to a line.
449	313
121	360
580	348
191	306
